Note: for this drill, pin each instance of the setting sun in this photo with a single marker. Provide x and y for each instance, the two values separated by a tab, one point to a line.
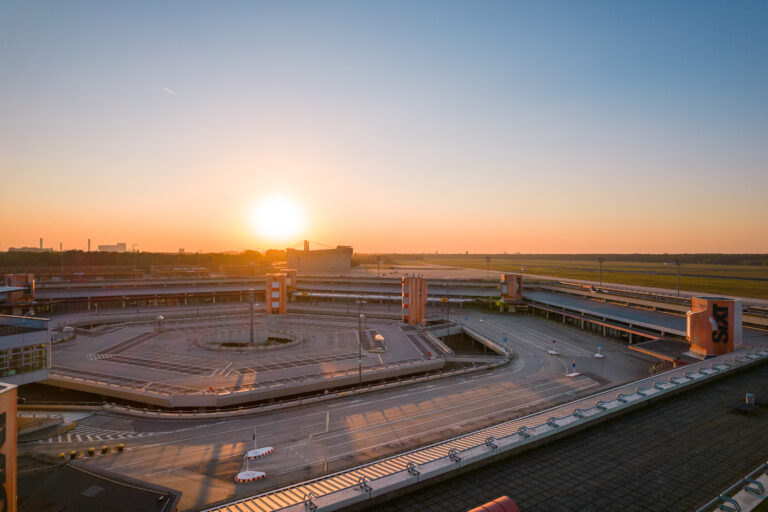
278	219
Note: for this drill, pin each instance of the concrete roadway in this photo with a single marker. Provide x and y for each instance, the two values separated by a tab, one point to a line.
201	459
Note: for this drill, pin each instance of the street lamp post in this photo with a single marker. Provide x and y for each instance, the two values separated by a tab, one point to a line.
448	317
600	260
677	262
135	259
250	307
360	348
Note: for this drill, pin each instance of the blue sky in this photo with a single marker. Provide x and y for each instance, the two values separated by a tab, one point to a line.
486	126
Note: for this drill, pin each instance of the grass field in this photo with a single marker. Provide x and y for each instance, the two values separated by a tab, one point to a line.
712	279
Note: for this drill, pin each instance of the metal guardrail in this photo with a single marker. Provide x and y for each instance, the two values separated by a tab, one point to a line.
743	495
497	347
33	403
38	414
342	489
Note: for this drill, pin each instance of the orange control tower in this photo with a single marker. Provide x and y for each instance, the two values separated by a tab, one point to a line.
414	299
511	286
714	325
276	293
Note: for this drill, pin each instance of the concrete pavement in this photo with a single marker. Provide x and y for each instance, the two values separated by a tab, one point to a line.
201	458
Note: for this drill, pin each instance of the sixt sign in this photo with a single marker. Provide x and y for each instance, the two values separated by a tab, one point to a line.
720	317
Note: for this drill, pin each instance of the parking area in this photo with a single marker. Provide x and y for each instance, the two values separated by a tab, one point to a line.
136	360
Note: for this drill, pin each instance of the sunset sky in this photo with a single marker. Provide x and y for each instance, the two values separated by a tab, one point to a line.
555	127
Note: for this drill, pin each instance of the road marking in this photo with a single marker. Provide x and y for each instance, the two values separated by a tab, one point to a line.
356	441
494	398
500	330
226	370
143	448
208	435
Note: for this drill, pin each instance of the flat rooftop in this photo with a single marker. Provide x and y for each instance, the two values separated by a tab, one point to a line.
635	316
674	455
65	487
172	368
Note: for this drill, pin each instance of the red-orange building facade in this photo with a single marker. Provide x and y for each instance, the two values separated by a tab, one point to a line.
714	325
512	286
26	281
414	301
8	447
276	293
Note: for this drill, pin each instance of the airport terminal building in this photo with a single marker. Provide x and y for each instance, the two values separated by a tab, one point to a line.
338	260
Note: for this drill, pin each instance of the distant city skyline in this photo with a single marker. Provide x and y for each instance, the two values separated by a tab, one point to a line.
532	127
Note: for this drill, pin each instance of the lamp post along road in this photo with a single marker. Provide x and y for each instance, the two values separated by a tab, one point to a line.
250	301
360	319
448	317
360	348
600	260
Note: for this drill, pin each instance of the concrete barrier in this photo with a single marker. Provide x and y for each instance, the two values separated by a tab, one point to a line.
244	411
453	456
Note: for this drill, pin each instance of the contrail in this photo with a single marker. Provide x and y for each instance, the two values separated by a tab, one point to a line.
167	90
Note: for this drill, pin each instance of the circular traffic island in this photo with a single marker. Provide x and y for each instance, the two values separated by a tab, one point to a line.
239	340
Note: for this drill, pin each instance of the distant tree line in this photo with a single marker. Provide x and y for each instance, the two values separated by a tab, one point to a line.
142	260
212	261
705	259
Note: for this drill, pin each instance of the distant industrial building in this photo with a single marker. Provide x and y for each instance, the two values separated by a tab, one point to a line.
31	249
118	247
338	260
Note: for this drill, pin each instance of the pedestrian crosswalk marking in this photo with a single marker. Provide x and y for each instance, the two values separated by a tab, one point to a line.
95	356
85	433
